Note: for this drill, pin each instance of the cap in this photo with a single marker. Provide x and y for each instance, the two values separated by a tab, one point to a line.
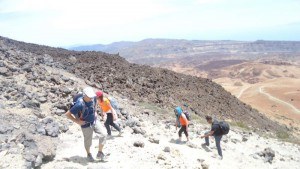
178	110
99	93
89	92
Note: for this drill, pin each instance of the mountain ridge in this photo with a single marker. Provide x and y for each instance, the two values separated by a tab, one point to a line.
112	73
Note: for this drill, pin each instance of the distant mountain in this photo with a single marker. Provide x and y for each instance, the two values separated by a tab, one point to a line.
98	47
156	51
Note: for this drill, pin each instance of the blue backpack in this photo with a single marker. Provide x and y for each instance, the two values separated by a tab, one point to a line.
78	99
178	112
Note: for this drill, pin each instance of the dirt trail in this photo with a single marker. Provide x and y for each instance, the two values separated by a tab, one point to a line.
237	153
242	91
261	90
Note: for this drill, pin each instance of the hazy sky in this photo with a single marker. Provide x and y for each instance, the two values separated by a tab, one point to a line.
69	22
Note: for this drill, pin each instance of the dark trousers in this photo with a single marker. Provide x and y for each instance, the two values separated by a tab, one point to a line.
218	143
183	129
110	122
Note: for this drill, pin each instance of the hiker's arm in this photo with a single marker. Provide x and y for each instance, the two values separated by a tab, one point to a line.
113	110
207	135
71	117
114	113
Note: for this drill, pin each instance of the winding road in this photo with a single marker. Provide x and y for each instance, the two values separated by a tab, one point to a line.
241	92
261	90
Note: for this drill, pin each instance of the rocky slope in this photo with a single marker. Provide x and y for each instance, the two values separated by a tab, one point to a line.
145	84
36	84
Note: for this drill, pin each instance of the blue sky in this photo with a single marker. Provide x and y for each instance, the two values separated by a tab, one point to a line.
68	22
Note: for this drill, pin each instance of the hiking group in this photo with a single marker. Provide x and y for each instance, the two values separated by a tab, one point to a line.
83	112
218	129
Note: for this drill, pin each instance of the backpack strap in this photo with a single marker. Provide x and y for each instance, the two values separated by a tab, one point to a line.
81	101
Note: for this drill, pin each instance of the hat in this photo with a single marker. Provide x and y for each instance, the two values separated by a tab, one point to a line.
99	93
89	92
178	110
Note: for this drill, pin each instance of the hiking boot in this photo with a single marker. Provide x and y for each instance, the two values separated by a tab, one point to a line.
90	158
204	145
108	137
100	155
120	133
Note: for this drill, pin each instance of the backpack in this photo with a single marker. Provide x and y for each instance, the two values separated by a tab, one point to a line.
187	115
113	102
78	98
75	97
224	127
177	111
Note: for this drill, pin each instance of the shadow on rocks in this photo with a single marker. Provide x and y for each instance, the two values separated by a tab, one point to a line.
82	160
177	141
205	148
78	159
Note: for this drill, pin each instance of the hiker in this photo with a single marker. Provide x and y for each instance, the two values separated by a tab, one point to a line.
182	121
216	132
109	112
84	114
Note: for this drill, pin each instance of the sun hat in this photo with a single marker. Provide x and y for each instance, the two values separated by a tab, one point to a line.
89	92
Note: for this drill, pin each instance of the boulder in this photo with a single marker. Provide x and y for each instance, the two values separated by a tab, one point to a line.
5	129
131	122
204	165
139	144
40	129
65	90
167	149
63	127
59	112
244	139
61	106
30	104
3	71
192	145
154	140
52	129
38	113
55	80
42	99
268	154
161	157
138	130
47	120
27	68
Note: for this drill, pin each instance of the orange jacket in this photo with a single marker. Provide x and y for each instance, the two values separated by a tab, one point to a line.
183	120
105	105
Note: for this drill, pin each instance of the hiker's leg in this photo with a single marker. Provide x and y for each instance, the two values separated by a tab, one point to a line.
100	132
111	122
87	135
218	145
117	127
107	122
207	138
180	131
185	132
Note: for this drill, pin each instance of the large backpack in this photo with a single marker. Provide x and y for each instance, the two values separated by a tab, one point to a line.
224	127
78	98
187	115
75	98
